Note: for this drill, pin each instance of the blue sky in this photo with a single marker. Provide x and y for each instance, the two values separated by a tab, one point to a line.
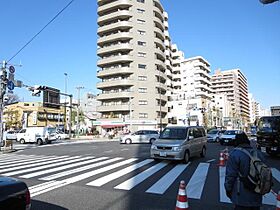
229	34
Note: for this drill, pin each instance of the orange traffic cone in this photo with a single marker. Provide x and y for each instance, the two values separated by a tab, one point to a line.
182	199
278	201
222	159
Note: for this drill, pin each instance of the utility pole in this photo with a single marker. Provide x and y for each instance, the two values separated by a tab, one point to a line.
65	91
78	111
3	86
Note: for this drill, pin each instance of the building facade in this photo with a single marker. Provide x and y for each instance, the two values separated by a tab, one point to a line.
234	84
275	110
132	64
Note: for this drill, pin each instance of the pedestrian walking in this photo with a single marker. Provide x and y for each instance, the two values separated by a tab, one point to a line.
237	186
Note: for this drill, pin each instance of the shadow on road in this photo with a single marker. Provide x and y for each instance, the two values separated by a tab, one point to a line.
40	205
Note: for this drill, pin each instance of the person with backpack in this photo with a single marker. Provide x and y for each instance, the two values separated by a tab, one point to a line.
247	177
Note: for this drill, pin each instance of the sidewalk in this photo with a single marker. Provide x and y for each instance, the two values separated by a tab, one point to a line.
92	138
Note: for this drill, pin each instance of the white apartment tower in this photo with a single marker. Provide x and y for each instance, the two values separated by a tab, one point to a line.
234	84
132	63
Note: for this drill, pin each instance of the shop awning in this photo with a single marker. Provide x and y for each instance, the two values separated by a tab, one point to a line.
112	126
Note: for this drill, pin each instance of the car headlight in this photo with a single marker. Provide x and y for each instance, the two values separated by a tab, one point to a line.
176	149
153	147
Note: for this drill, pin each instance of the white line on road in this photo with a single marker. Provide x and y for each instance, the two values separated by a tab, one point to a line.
222	174
129	184
66	173
103	180
108	151
196	184
164	183
54	185
209	161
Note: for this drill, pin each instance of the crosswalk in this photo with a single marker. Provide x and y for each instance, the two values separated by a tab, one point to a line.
55	172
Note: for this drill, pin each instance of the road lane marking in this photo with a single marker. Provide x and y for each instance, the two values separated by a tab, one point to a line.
129	184
51	160
39	173
222	175
124	149
57	184
42	167
103	180
276	174
66	173
209	161
26	162
17	157
108	151
165	182
197	182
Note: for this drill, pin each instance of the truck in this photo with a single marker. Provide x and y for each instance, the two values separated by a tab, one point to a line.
268	135
39	135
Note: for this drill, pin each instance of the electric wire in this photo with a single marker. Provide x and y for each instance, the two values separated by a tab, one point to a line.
41	30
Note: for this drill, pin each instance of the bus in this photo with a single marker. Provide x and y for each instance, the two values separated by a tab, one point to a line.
268	134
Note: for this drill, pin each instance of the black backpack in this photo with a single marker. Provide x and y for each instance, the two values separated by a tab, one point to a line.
259	178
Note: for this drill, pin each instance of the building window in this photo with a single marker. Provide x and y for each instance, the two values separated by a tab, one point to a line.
141	43
142	66
142	90
142	78
140	11
141	54
143	115
140	21
143	102
141	32
141	1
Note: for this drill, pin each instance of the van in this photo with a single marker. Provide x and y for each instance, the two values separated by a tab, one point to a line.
39	135
180	143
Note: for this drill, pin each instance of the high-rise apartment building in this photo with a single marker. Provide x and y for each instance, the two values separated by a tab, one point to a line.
234	84
132	63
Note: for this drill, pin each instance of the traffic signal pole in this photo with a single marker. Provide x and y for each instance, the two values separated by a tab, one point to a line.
3	85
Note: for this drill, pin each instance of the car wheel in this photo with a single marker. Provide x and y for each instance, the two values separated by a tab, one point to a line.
217	139
203	152
40	142
152	140
128	141
59	137
22	141
187	157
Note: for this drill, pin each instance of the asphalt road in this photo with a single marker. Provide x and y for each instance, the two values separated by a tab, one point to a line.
108	175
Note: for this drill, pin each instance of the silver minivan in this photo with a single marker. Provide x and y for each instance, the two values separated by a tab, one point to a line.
180	143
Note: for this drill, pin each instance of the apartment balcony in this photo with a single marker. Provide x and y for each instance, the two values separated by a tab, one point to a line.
114	37
163	120
115	48
114	5
159	53
164	109
176	62
114	59
167	62
167	42
158	12
158	23
159	32
203	93
167	53
114	71
177	84
176	69
160	42
221	80
166	33
115	83
162	97
161	74
161	85
166	24
200	64
204	73
114	16
122	25
165	14
111	108
203	80
114	95
199	85
157	3
160	63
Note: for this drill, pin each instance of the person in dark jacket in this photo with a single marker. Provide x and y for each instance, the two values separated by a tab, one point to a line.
239	163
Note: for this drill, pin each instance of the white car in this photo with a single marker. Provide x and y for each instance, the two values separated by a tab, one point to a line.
141	136
60	135
10	135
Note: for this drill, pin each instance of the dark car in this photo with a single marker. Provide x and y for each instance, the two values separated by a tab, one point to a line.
14	194
228	137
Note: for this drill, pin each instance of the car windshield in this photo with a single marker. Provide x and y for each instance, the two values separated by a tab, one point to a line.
230	132
269	124
174	133
213	132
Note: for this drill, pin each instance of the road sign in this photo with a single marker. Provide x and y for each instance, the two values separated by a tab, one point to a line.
12	69
11	77
10	85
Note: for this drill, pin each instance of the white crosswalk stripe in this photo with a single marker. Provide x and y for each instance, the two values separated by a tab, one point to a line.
58	171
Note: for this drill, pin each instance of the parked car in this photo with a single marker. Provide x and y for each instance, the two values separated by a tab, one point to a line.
14	194
39	135
228	137
180	143
214	135
61	135
10	135
141	136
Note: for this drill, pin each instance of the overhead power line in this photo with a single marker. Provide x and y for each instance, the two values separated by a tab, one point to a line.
41	30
